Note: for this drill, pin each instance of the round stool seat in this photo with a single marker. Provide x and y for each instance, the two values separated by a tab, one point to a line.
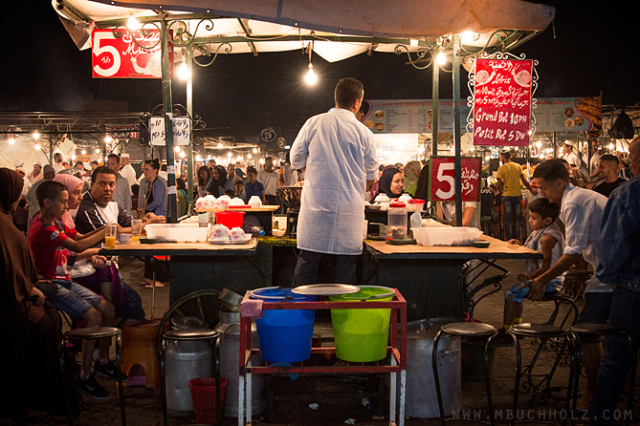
90	333
597	329
469	329
191	334
537	330
553	295
577	274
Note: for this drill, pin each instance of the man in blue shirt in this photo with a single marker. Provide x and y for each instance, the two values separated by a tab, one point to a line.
619	267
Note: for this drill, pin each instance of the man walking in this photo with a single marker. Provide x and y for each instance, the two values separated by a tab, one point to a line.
510	177
339	155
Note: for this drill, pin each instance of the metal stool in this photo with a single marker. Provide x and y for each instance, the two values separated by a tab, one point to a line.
580	330
470	330
92	333
537	331
190	335
573	277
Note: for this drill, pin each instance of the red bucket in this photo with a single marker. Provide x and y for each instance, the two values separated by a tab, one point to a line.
230	219
205	400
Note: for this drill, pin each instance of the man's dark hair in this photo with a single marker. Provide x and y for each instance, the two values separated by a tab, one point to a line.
94	162
551	171
163	168
180	184
545	208
611	158
252	169
56	156
102	169
348	90
79	162
116	156
505	154
230	193
49	190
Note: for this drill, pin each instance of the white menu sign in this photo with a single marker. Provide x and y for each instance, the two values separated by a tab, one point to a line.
181	131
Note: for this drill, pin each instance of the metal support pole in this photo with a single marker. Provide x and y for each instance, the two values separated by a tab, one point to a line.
435	108
168	123
456	127
188	60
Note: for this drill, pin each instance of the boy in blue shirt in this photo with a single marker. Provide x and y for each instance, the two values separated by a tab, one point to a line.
253	187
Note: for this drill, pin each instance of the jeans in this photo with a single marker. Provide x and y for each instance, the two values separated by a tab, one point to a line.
306	271
625	313
512	207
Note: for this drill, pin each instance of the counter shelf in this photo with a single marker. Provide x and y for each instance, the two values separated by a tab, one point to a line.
397	353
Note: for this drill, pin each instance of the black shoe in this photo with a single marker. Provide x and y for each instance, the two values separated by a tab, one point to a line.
503	340
92	388
108	371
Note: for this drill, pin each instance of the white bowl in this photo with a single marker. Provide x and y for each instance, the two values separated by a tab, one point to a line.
124	238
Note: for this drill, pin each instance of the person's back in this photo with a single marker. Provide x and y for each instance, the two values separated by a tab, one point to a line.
510	174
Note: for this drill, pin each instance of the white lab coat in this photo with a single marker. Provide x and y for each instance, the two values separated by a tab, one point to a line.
339	153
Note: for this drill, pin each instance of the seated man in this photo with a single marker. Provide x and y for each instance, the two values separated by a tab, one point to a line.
50	240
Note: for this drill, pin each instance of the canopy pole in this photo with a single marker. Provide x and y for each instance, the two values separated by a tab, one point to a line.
188	61
435	108
168	123
456	127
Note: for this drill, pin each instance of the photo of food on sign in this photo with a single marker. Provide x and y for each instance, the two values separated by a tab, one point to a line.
522	77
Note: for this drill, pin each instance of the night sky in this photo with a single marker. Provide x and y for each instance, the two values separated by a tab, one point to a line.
590	48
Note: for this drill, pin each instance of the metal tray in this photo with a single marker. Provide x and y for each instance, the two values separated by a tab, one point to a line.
325	289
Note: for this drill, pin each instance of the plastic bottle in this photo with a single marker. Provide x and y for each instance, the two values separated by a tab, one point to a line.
397	221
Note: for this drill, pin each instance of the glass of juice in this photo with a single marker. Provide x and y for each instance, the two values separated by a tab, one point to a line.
136	230
110	235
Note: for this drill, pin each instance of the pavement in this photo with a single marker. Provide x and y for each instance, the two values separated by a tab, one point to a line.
338	398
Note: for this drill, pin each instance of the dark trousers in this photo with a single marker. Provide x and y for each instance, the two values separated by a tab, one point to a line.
512	208
306	271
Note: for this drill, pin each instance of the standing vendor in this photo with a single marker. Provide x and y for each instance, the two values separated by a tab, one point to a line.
339	154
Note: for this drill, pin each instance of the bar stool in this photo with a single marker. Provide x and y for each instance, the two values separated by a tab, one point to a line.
91	333
581	330
575	277
469	330
536	331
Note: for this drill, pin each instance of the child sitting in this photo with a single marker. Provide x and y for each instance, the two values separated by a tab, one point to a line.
545	238
50	241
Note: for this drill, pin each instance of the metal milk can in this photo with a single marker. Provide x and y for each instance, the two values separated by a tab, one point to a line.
421	400
229	329
189	354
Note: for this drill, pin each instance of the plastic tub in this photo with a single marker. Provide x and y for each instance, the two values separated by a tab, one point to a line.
361	335
176	232
449	236
284	335
230	219
205	400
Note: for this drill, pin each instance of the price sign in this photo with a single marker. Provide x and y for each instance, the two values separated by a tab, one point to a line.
124	58
502	102
442	179
181	131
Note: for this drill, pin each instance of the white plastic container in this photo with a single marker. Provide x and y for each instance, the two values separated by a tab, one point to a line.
449	236
177	232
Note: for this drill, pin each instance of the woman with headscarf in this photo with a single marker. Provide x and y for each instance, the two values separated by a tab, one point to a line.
219	184
411	173
31	326
204	175
391	183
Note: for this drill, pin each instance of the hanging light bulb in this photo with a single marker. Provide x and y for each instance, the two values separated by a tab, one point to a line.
255	150
261	161
12	141
249	156
311	78
441	58
97	151
107	139
177	148
611	146
132	22
182	154
84	151
36	135
183	71
220	145
37	147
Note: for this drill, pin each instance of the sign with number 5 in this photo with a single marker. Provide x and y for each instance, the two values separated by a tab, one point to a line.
442	179
124	58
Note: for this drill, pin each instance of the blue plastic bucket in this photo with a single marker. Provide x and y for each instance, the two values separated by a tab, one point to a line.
284	335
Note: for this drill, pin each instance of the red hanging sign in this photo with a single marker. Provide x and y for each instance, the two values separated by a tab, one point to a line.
442	178
124	58
502	102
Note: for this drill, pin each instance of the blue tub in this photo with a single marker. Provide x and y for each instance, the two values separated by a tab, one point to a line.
284	335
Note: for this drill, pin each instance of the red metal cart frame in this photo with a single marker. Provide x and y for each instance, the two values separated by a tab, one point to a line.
398	362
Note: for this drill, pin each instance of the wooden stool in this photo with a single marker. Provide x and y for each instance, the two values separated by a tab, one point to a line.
92	333
139	348
582	330
471	330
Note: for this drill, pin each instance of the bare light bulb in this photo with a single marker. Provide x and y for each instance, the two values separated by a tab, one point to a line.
37	147
182	154
441	58
183	71
311	77
84	151
249	156
97	151
177	148
132	23
255	150
36	135
12	141
220	145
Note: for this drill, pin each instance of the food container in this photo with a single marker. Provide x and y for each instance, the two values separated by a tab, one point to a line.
230	219
124	238
448	236
397	221
415	205
176	232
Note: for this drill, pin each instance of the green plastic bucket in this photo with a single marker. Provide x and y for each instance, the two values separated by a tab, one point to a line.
361	335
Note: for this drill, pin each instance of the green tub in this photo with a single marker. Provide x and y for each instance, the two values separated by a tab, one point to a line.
361	335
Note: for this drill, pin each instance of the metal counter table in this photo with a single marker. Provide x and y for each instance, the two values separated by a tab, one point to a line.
197	266
430	277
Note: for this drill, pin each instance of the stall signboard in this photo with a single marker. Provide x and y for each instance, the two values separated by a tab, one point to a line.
442	178
502	102
569	114
125	57
181	131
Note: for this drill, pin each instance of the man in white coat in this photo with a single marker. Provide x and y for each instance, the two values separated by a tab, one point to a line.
339	155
